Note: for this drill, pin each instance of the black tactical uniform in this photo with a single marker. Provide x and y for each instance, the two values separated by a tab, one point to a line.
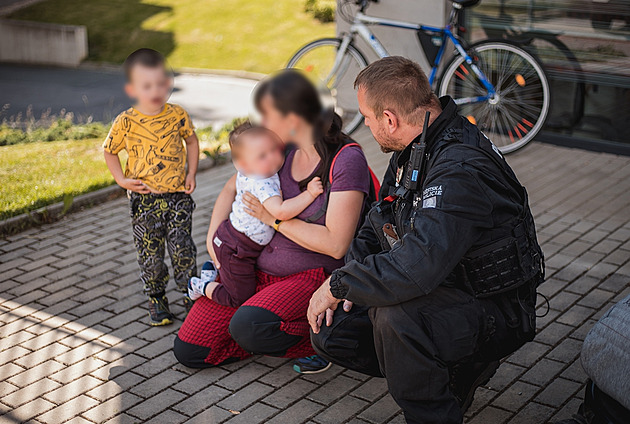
455	293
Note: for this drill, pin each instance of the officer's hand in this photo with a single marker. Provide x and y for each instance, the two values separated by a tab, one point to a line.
321	301
330	312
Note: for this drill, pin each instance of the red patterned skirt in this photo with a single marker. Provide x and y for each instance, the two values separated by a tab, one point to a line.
288	297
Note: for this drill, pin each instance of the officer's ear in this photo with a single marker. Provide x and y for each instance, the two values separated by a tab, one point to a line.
391	121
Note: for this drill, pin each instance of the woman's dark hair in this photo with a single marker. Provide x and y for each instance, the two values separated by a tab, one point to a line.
292	92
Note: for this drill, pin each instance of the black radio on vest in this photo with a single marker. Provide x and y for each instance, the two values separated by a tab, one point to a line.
414	173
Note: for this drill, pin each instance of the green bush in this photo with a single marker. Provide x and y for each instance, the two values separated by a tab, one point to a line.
214	143
48	128
322	10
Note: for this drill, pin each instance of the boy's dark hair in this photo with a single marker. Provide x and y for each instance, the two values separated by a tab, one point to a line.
145	57
397	84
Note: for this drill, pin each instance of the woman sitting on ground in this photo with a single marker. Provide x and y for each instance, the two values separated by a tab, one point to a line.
304	250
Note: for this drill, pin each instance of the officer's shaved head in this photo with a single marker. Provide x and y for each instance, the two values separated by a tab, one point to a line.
399	85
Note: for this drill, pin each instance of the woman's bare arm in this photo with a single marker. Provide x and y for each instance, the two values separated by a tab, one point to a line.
220	213
333	239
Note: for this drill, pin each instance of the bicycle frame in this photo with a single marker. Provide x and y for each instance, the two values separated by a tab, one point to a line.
360	27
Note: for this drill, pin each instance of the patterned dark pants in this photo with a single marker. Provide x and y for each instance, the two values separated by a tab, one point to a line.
160	220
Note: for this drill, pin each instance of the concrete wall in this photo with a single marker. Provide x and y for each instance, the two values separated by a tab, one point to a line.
398	41
42	43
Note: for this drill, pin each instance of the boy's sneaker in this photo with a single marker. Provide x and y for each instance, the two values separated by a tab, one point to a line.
311	365
208	272
159	312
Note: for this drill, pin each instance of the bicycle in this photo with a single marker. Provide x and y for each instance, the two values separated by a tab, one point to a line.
497	85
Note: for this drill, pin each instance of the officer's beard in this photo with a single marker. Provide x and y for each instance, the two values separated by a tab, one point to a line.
385	140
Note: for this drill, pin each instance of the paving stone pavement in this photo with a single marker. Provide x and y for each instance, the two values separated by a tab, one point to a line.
75	345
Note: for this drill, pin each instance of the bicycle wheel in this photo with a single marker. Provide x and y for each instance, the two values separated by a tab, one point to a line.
317	60
517	112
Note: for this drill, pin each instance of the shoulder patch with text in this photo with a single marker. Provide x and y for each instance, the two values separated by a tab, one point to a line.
432	197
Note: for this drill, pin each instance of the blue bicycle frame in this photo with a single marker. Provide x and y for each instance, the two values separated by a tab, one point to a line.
360	27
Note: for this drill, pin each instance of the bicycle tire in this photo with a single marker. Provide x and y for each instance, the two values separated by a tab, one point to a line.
516	133
352	119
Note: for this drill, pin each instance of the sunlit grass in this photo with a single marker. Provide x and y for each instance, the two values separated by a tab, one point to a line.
39	174
257	36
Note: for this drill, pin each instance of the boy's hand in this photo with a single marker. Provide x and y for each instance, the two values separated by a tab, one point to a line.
315	187
134	185
190	184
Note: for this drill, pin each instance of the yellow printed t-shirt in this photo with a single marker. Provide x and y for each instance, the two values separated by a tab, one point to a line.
155	145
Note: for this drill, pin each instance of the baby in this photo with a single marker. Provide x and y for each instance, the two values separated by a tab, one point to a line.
257	156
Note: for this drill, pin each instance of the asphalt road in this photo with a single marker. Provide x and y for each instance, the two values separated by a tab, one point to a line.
98	93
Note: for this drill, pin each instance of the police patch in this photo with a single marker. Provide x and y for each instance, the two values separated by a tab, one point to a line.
429	202
432	197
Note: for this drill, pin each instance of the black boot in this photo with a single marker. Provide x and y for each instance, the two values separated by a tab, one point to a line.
466	377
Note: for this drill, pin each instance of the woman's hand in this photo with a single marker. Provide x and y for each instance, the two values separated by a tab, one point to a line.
254	208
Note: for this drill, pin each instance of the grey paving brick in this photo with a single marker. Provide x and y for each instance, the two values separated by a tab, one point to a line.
255	414
333	390
201	400
77	370
505	375
68	410
575	372
71	390
79	353
9	370
14	353
381	411
33	374
121	349
155	404
243	376
576	315
543	372
566	351
245	396
491	415
112	407
200	380
290	393
341	411
30	392
123	382
371	389
532	413
211	415
156	365
29	410
6	388
557	392
157	383
281	376
529	354
297	413
118	367
515	396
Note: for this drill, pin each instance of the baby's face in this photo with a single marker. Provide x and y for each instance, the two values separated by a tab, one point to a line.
149	86
261	156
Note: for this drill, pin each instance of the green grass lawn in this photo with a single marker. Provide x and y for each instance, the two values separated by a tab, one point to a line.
39	174
250	35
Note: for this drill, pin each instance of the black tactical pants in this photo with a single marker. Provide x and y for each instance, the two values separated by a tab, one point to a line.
413	344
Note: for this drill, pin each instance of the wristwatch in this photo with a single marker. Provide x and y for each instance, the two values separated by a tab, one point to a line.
337	289
276	224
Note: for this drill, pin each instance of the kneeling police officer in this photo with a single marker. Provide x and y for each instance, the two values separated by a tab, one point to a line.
440	281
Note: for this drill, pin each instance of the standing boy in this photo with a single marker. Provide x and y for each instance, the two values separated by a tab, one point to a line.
159	139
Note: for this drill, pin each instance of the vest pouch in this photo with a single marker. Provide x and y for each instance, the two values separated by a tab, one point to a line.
501	266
